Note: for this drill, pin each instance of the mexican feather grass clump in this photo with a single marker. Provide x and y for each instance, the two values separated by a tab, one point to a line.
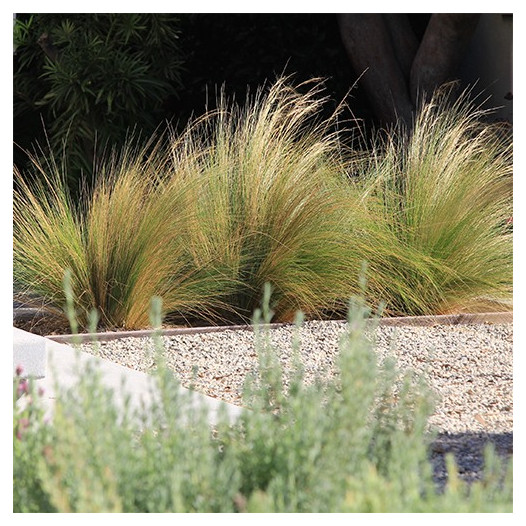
274	202
262	193
122	244
444	196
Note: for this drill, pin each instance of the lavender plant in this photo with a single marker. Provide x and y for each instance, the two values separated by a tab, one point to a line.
353	444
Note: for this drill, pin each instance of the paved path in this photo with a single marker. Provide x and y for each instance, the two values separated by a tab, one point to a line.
59	364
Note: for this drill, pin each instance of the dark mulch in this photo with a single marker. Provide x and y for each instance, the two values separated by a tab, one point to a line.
43	325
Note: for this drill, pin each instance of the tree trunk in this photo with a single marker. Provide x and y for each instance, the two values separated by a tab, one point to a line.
441	51
370	49
404	40
396	70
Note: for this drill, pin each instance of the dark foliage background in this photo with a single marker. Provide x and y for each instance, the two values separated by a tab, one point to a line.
186	59
244	51
82	81
247	50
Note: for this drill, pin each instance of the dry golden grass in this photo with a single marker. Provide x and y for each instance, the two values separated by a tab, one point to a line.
275	204
261	194
123	244
446	195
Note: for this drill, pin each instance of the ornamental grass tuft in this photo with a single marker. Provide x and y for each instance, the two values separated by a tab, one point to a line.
274	202
122	243
444	196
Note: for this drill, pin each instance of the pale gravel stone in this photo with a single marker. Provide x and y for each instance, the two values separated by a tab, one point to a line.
469	367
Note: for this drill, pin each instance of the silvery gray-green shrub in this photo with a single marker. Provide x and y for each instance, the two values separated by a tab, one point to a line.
354	444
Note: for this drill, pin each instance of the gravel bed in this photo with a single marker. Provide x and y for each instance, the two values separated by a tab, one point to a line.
469	367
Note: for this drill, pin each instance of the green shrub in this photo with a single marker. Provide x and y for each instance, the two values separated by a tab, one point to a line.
445	201
353	444
91	78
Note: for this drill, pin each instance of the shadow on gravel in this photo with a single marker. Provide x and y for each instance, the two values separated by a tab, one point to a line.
468	450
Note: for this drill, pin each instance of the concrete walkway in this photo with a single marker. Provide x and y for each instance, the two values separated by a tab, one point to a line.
54	364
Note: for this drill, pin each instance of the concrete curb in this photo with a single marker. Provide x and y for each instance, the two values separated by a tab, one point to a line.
29	354
447	319
63	365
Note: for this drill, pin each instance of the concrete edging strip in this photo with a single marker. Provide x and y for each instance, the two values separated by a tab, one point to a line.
63	364
446	319
29	354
